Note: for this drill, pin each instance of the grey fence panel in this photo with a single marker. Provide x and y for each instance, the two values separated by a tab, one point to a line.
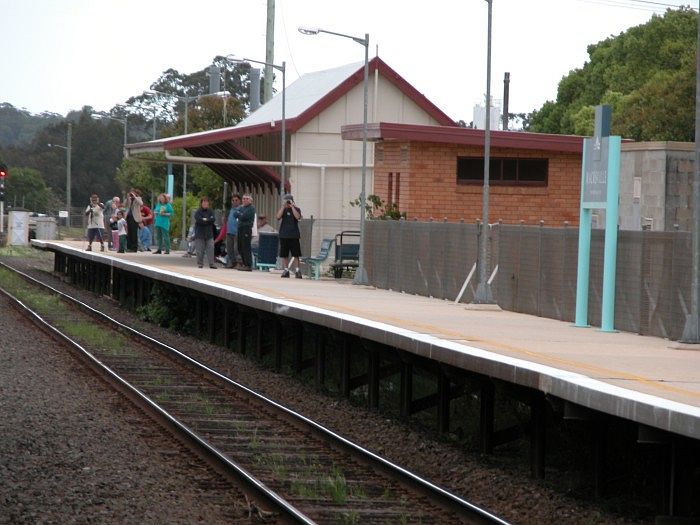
375	254
506	283
551	274
538	270
680	281
628	278
462	253
527	300
595	280
569	259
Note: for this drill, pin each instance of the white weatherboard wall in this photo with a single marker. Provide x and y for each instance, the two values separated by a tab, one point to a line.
320	142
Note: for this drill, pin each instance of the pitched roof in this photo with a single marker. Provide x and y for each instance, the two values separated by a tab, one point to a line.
305	99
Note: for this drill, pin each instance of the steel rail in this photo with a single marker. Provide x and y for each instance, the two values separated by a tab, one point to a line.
222	463
425	487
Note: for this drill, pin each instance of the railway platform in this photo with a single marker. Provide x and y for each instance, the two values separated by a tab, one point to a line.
604	381
649	380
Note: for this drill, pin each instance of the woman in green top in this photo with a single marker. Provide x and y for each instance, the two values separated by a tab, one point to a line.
163	211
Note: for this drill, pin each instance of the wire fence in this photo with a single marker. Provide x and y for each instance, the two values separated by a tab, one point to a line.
537	269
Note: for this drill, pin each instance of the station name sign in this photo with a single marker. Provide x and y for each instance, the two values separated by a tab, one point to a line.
595	175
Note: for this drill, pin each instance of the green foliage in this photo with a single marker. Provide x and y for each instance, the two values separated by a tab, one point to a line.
26	187
167	308
646	73
149	177
376	208
18	126
208	183
176	219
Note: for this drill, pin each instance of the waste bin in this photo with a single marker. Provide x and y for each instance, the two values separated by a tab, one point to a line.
46	228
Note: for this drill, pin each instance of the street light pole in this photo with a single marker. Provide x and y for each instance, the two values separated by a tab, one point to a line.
183	241
283	153
691	330
68	168
361	272
68	148
483	291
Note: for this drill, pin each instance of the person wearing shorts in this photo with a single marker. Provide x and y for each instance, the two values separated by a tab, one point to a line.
95	222
289	215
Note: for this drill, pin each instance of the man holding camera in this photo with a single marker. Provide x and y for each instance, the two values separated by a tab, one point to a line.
289	234
95	222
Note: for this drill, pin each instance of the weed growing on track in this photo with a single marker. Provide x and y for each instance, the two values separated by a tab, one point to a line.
43	303
95	335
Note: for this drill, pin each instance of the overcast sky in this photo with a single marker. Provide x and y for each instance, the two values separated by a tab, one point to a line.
59	55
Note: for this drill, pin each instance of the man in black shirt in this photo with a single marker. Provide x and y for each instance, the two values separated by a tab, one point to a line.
204	233
246	216
289	234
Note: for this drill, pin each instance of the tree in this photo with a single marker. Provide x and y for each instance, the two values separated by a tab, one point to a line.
148	177
646	73
26	188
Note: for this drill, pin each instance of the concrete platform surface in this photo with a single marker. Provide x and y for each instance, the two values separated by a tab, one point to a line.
647	379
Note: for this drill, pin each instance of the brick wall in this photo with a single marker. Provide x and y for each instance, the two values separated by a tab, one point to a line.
427	176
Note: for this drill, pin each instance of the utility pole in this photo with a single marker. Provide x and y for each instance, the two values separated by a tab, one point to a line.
269	50
69	153
483	291
691	331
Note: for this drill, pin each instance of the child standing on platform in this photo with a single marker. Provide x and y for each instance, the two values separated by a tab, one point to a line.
121	229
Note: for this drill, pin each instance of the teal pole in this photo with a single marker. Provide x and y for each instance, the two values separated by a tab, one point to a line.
171	180
611	216
584	261
584	256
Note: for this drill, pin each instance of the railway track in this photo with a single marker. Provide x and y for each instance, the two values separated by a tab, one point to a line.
292	469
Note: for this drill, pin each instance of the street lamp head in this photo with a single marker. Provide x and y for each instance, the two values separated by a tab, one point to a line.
309	30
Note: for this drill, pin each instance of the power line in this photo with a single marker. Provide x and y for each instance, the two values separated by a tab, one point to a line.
640	5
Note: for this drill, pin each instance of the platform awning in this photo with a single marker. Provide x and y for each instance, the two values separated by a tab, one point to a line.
219	144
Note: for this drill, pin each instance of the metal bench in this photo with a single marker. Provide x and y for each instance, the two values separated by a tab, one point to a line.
347	254
314	263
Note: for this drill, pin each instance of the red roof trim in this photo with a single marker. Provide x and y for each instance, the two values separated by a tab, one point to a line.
293	124
465	136
358	77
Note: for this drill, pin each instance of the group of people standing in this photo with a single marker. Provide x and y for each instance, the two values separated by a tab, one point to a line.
237	231
129	223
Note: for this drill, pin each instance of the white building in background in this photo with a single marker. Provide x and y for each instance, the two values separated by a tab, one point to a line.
496	114
317	105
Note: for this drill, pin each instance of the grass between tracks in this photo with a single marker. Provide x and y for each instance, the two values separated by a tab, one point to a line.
49	305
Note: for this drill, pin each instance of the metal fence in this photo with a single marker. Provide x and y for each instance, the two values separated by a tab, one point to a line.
537	270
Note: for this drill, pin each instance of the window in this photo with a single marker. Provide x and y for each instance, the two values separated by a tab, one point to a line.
503	171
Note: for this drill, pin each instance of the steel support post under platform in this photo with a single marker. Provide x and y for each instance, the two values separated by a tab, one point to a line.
320	351
538	418
487	400
406	390
345	361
